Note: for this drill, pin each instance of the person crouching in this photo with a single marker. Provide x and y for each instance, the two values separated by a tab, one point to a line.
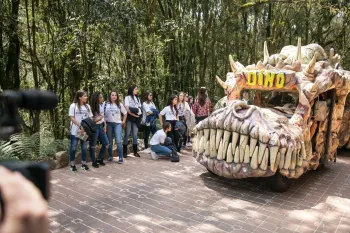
157	142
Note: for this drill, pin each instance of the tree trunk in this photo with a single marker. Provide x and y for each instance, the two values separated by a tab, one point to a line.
12	80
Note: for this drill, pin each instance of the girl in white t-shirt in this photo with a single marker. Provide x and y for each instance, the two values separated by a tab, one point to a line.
113	111
147	107
79	111
171	114
132	105
183	109
101	127
157	141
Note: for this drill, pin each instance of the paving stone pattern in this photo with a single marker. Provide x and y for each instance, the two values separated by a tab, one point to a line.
142	195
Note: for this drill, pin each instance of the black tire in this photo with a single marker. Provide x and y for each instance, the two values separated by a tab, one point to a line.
279	183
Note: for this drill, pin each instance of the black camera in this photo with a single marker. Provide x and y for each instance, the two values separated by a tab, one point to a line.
10	123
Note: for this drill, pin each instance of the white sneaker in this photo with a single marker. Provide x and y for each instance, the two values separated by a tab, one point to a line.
179	154
154	155
147	151
188	144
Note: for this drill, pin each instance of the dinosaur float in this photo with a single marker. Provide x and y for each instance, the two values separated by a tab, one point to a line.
239	140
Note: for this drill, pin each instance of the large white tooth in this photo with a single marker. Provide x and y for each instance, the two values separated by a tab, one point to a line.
227	136
246	154
273	146
242	145
288	156
220	151
207	146
263	139
263	165
262	148
303	150
294	160
219	133
201	145
283	151
278	158
273	155
253	142
235	137
298	148
212	143
236	158
254	135
299	160
206	134
243	141
229	155
254	162
194	144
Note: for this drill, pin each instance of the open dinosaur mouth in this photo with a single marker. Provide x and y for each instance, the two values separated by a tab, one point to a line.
241	141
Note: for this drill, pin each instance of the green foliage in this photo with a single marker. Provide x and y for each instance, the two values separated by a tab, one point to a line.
38	146
161	45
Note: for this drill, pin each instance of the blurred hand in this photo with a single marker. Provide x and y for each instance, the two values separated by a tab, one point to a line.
25	208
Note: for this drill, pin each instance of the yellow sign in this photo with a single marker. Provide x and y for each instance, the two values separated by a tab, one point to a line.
267	79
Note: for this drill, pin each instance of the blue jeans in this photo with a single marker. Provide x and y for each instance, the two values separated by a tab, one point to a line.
131	127
116	129
161	150
148	131
100	134
73	148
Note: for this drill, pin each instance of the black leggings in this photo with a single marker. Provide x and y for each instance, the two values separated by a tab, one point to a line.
175	136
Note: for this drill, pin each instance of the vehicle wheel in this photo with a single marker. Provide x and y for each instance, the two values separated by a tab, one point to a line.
279	183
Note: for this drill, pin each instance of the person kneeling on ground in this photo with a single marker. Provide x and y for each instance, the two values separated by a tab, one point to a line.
157	142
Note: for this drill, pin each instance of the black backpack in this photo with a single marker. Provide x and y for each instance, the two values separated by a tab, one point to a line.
89	126
174	156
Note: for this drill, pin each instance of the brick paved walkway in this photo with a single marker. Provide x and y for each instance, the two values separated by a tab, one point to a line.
159	196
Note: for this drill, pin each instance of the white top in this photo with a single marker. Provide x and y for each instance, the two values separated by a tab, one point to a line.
182	108
113	112
78	115
169	115
146	107
158	138
97	116
132	102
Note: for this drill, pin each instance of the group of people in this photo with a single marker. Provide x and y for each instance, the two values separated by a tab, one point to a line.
111	117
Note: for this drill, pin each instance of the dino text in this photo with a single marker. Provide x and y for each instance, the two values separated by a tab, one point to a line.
266	78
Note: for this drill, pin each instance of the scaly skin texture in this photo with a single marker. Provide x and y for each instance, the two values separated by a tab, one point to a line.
344	132
240	140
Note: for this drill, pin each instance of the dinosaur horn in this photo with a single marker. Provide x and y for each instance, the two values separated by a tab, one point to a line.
234	67
311	66
299	50
222	83
266	53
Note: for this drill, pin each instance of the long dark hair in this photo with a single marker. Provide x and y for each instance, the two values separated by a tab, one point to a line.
77	96
117	101
95	105
170	103
131	90
202	96
145	96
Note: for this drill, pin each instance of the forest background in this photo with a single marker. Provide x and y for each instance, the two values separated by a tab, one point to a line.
164	46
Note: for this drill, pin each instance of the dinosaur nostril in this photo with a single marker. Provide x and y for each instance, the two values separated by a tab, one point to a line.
242	105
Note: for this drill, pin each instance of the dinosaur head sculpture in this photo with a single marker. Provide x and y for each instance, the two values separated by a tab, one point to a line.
242	140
